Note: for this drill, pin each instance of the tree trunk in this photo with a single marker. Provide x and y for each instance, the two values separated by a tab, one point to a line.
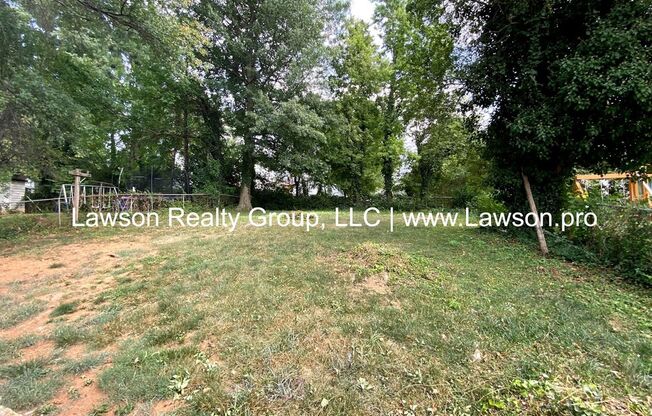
388	177
114	152
304	185
533	208
425	174
113	156
248	168
244	204
186	153
173	165
247	174
388	163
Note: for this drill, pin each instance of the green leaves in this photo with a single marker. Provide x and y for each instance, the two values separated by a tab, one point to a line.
569	83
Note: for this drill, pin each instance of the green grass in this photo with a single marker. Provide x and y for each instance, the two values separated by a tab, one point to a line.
17	227
66	335
16	312
84	364
27	384
142	374
10	349
364	321
63	309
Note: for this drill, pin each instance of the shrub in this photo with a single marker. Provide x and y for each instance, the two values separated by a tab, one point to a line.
485	201
622	239
283	200
63	309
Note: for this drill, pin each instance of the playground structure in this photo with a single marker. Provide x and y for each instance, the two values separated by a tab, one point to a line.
102	196
93	197
639	187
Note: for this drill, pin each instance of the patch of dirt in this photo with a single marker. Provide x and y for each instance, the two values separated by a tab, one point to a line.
85	272
376	283
39	350
617	324
163	407
77	273
74	352
34	325
71	258
80	395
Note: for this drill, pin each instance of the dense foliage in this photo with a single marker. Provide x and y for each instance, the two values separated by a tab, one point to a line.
569	84
207	96
298	97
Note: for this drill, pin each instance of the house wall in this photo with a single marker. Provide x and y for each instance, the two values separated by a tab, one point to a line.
11	196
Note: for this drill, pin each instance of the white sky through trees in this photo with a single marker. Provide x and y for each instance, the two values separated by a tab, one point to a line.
363	9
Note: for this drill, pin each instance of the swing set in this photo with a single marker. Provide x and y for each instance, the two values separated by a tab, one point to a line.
639	188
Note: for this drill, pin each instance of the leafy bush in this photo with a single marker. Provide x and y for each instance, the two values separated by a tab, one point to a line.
485	201
283	200
622	238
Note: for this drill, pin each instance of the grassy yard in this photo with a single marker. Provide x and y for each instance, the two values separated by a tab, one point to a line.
445	321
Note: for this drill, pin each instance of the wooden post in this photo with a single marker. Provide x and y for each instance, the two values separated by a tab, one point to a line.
633	189
647	192
77	174
579	189
533	208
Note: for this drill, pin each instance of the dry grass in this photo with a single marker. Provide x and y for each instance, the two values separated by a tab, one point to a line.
280	321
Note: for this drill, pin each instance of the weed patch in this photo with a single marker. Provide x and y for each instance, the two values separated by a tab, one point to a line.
370	258
10	349
141	374
28	384
13	313
67	335
63	309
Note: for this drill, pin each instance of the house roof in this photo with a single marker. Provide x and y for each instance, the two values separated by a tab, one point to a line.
19	178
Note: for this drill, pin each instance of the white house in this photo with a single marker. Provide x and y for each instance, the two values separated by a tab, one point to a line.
12	194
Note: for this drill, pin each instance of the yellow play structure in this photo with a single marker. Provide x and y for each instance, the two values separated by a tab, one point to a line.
639	187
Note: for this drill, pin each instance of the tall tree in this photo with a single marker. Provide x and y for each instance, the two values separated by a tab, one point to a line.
391	17
263	52
358	80
419	47
81	72
569	83
295	141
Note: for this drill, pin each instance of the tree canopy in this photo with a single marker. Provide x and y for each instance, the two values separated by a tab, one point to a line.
239	96
569	84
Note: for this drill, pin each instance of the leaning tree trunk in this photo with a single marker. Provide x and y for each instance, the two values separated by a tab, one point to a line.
533	208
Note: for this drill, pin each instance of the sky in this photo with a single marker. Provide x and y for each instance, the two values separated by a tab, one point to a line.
362	9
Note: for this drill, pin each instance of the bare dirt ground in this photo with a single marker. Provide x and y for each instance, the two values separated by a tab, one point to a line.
69	272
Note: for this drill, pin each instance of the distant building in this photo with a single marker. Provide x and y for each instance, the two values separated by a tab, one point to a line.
12	194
